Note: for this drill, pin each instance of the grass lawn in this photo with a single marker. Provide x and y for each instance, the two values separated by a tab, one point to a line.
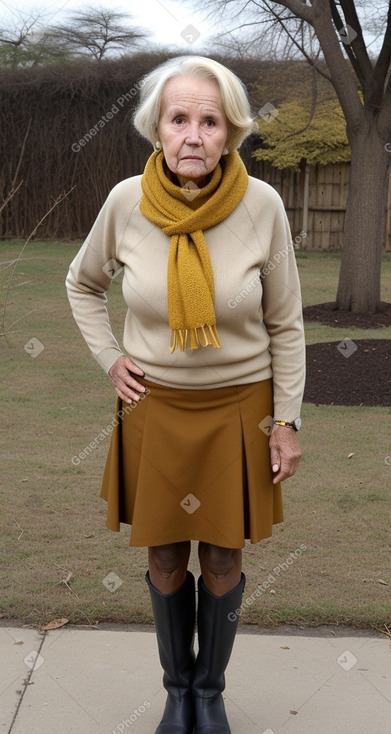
330	562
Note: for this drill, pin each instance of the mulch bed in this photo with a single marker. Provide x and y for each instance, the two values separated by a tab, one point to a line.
328	315
352	371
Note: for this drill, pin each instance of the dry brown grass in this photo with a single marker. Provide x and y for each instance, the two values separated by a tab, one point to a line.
53	522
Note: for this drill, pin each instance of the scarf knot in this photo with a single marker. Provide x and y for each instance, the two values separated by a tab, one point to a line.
190	282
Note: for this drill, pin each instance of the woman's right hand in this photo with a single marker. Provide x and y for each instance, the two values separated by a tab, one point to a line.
124	383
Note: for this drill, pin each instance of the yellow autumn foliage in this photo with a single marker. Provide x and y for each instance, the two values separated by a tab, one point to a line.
288	135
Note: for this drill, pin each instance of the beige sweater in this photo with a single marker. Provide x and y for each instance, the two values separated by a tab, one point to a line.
257	297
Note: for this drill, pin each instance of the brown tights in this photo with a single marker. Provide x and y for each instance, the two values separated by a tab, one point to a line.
220	567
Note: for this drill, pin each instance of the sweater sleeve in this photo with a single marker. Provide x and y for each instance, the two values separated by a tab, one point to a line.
283	318
90	276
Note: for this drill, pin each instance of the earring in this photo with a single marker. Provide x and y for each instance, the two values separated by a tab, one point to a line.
225	151
158	145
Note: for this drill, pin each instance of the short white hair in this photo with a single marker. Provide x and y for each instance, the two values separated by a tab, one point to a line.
233	94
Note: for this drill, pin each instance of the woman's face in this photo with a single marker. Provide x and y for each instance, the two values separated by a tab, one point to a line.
192	127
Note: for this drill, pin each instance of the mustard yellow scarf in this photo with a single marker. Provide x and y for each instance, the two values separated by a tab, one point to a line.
190	283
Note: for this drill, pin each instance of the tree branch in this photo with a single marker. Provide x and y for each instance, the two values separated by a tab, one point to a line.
23	148
305	12
351	51
356	50
344	82
10	195
385	114
382	66
299	46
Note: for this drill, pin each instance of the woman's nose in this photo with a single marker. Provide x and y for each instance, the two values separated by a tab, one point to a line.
193	135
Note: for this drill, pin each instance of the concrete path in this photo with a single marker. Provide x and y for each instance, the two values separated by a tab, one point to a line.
108	681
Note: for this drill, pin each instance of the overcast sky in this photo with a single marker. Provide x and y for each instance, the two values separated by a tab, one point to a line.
178	25
171	23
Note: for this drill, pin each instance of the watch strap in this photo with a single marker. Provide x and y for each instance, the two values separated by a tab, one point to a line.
295	425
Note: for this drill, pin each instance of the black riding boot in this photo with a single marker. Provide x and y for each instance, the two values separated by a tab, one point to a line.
216	635
174	616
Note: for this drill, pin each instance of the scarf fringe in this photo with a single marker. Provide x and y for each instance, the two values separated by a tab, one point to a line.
205	335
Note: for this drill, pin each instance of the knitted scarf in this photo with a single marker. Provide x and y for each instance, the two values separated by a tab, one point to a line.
190	283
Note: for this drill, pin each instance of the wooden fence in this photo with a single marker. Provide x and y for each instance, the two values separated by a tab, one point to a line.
68	128
315	199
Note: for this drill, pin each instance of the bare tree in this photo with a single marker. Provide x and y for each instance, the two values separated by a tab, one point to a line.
332	31
24	43
15	40
96	32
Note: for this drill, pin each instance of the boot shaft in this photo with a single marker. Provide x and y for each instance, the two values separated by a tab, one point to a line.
216	636
174	616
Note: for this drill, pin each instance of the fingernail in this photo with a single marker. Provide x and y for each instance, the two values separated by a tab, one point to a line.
275	467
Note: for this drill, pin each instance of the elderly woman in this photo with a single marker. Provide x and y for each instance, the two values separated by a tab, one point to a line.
213	356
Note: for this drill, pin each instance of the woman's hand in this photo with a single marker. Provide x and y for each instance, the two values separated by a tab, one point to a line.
125	385
285	452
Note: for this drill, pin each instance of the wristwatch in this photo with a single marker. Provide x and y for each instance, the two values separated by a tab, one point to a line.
295	424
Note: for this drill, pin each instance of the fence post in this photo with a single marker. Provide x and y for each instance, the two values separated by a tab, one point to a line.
388	228
306	197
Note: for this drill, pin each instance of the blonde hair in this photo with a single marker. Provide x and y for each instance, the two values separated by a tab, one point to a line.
233	94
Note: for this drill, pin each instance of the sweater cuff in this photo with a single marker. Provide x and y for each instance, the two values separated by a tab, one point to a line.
107	357
287	411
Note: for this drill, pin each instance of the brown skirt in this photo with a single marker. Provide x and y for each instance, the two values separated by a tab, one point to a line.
193	465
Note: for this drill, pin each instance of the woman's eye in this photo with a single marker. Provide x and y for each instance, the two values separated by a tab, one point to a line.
178	120
210	123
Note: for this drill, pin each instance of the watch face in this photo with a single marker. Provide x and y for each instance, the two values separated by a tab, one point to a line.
297	424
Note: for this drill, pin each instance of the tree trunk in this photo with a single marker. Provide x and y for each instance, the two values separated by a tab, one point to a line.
359	279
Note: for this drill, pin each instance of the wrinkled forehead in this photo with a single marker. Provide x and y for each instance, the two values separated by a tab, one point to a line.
191	90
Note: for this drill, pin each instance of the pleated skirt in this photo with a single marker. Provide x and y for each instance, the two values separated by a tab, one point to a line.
193	465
